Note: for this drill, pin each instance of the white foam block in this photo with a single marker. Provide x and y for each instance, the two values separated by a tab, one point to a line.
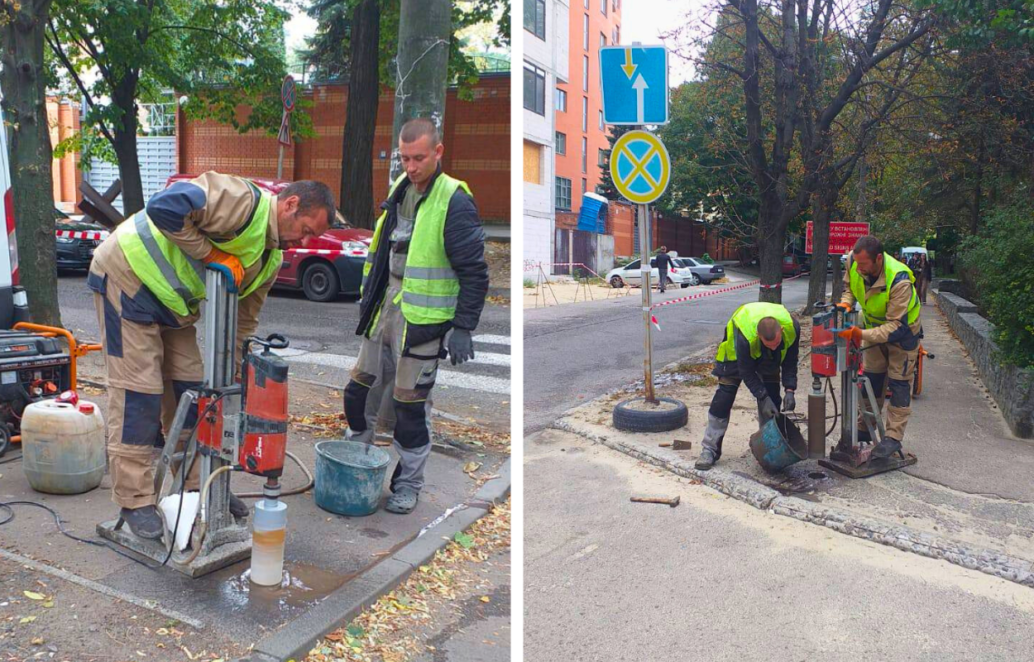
169	505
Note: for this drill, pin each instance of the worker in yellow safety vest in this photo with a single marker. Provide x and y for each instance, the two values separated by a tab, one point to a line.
148	281
890	333
761	340
425	276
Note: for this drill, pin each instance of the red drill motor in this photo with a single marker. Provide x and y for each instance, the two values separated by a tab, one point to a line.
264	408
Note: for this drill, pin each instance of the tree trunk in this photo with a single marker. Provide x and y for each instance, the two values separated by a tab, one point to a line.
125	146
425	27
770	256
821	212
357	198
25	111
861	203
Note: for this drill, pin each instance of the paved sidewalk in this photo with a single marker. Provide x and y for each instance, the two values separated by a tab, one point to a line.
969	498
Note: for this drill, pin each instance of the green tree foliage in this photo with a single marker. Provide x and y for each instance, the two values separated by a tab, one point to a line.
220	54
999	260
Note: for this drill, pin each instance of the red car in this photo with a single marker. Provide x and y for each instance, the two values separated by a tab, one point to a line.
332	264
791	266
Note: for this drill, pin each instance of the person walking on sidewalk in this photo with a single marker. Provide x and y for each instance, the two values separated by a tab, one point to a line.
663	262
761	339
424	276
890	333
148	281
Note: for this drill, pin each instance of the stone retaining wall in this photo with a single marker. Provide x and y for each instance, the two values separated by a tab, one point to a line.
1011	387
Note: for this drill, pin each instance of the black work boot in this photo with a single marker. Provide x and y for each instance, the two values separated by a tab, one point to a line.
706	460
144	522
886	448
238	508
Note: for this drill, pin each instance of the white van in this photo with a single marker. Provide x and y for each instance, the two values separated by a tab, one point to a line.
13	304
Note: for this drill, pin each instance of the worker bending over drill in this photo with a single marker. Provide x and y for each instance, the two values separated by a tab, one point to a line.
885	289
425	274
760	340
148	281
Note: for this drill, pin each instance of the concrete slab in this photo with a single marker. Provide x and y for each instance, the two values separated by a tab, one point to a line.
324	552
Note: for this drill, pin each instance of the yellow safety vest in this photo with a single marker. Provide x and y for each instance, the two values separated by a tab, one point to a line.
746	319
874	308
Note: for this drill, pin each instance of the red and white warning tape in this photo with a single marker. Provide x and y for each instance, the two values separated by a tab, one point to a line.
749	283
77	234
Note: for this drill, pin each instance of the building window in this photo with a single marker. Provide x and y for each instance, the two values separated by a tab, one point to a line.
535	17
585	185
561	100
585	73
601	120
532	163
617	36
585	113
603	6
585	3
603	40
561	143
563	193
585	156
601	157
585	32
616	5
534	89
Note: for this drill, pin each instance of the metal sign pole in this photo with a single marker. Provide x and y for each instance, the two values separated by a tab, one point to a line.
645	270
280	163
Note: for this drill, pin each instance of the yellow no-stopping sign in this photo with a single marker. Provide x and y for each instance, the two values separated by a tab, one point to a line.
640	167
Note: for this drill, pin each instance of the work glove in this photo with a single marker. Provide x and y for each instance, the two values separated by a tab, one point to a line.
854	334
461	346
844	306
789	403
230	263
768	409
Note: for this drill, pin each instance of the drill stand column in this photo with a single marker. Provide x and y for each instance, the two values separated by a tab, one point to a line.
221	540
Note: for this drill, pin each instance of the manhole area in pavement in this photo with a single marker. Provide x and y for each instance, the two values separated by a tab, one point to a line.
803	482
302	585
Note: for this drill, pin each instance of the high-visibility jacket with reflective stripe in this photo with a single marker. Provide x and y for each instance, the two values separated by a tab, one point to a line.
430	287
178	280
746	319
874	308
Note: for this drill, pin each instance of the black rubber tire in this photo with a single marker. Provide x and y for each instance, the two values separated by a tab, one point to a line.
319	282
5	439
631	420
616	282
694	279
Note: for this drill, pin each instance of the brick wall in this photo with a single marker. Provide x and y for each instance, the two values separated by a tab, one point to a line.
686	237
476	138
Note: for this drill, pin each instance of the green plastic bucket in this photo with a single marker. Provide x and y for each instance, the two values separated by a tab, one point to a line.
349	477
778	444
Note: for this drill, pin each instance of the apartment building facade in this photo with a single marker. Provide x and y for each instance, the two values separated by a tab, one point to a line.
581	137
545	67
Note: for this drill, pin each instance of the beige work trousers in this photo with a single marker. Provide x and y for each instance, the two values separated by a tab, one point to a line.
899	366
148	366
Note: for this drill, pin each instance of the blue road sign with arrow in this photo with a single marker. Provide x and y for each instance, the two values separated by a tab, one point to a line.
635	84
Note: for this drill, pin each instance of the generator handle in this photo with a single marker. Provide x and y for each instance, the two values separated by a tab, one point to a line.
75	350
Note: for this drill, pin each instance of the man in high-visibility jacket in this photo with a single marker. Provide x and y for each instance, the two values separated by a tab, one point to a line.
761	339
425	275
885	289
148	281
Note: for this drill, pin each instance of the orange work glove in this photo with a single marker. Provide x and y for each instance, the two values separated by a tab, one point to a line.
846	307
854	334
229	261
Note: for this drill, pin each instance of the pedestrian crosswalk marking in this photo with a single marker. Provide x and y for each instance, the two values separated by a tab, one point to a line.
489	339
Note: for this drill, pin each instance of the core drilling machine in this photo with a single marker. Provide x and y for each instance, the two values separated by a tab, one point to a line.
831	356
237	427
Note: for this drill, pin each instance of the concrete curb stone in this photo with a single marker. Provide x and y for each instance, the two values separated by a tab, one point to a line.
496	490
762	497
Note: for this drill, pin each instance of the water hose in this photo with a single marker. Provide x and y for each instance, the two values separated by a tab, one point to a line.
204	515
297	490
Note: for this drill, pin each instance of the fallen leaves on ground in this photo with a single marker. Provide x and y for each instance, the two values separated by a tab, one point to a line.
473	435
385	631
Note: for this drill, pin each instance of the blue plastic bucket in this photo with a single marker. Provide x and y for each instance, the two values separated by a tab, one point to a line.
349	477
778	444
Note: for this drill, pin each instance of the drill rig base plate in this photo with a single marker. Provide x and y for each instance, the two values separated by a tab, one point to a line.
869	468
220	549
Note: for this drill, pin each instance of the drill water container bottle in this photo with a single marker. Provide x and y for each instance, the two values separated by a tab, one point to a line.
63	446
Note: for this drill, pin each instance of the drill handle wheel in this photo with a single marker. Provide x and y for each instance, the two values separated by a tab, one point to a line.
272	341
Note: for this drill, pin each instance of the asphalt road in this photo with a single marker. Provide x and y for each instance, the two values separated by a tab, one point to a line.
575	352
715	579
324	347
